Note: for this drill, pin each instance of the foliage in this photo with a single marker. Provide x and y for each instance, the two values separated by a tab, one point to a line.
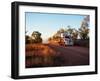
28	39
36	37
49	39
70	31
84	30
75	34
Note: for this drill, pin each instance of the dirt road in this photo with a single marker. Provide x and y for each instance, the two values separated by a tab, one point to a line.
72	55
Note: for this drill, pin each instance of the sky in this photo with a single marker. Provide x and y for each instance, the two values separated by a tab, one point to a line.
48	23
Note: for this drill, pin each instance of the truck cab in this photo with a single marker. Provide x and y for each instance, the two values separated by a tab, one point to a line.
67	39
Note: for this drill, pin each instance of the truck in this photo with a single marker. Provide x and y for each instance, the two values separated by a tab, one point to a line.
66	40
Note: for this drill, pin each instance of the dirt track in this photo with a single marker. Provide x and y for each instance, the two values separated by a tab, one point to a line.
72	55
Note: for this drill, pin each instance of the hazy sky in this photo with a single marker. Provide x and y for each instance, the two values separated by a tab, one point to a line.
47	24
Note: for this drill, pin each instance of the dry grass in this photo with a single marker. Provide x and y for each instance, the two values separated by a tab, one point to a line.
39	55
39	49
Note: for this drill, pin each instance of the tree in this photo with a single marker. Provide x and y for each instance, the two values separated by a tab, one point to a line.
49	39
27	39
60	31
74	34
84	30
36	37
69	30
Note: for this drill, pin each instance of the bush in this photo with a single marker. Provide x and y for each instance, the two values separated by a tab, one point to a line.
82	42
